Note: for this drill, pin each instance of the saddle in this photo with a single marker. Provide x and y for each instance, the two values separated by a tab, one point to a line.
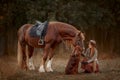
39	29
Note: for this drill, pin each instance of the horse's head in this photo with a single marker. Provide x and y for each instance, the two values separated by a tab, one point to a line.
79	40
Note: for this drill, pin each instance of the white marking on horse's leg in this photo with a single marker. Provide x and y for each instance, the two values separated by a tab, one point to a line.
41	69
30	64
49	66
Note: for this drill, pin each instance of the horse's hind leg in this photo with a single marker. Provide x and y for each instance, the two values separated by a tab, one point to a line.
30	50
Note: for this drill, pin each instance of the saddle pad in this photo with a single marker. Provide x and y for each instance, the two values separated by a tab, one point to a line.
39	29
33	32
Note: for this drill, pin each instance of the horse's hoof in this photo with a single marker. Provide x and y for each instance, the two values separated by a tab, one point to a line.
24	67
31	67
41	69
49	69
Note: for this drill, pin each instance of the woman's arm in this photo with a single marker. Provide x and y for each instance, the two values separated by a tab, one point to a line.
94	56
86	52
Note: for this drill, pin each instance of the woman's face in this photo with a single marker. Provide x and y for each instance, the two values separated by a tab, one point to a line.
89	45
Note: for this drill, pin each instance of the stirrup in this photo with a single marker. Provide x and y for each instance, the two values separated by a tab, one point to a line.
41	42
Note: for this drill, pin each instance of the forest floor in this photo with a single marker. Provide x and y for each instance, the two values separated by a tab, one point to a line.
109	70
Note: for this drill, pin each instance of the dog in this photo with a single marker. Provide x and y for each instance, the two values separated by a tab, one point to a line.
73	63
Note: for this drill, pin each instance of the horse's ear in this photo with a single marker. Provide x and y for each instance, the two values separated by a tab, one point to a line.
79	33
83	36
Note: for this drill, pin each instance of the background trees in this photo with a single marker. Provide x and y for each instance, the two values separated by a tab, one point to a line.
99	20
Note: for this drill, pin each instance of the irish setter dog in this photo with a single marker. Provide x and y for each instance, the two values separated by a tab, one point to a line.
73	63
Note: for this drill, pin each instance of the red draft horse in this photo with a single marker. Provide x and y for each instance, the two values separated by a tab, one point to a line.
56	33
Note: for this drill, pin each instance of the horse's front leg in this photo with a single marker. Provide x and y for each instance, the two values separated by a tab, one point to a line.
45	55
49	63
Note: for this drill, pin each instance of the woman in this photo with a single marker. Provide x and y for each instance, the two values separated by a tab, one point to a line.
90	62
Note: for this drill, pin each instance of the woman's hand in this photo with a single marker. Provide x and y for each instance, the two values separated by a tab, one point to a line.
82	55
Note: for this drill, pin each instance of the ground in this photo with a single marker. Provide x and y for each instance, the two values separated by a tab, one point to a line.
109	70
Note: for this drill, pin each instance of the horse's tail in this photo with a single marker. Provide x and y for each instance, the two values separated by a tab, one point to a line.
21	45
19	55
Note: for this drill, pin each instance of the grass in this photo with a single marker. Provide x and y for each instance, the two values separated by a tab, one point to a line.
109	70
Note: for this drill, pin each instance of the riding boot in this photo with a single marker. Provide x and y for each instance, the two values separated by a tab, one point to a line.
41	42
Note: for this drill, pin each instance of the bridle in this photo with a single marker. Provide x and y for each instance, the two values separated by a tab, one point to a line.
80	42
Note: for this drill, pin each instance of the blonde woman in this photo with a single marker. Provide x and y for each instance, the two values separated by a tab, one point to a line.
90	61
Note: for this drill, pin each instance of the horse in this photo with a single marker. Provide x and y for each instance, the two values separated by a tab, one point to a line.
55	34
